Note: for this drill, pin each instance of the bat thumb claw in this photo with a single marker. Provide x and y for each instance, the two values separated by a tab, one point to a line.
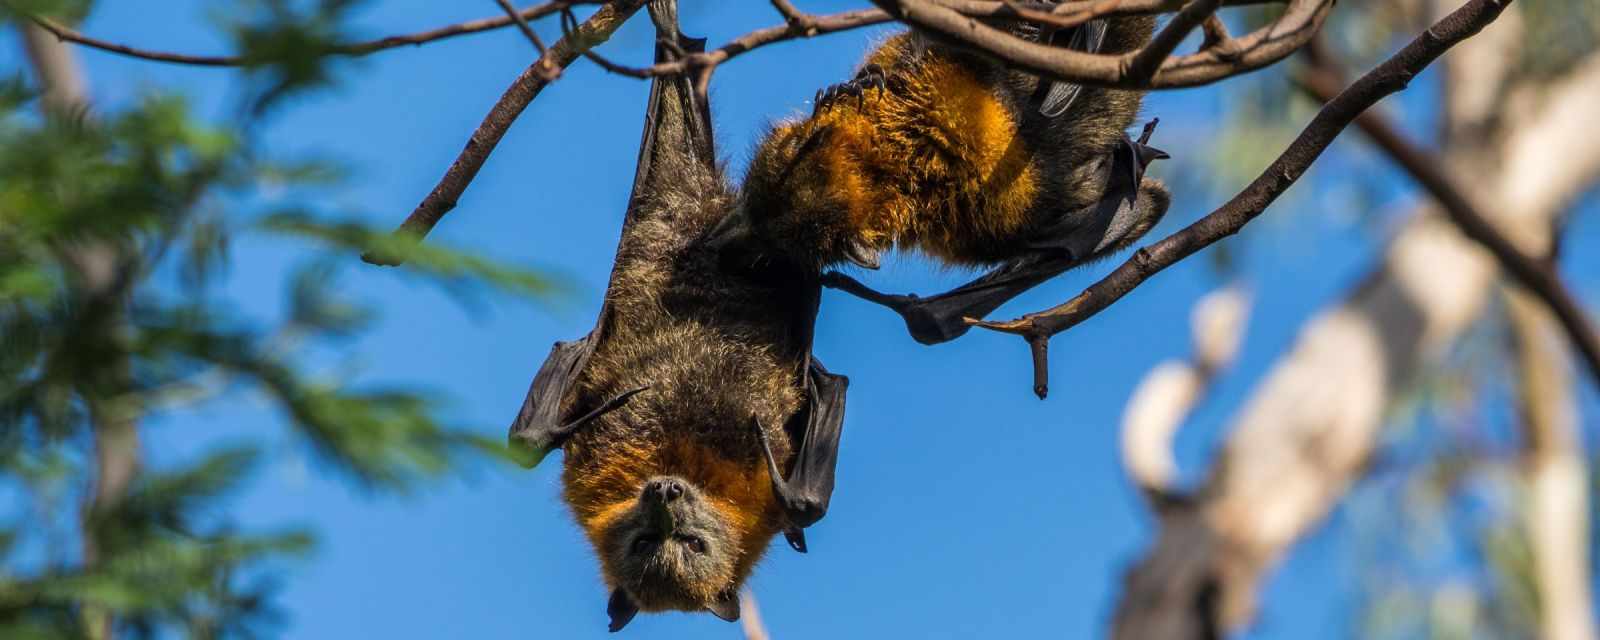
796	538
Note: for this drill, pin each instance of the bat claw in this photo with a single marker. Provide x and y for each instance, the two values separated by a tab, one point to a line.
796	538
871	76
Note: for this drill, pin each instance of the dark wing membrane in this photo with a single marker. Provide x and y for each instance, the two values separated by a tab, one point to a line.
540	425
677	129
1087	37
816	432
805	492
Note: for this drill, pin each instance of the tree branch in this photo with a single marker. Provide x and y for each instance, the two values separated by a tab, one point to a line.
1538	276
522	25
597	29
357	49
1389	77
1267	45
1143	64
798	24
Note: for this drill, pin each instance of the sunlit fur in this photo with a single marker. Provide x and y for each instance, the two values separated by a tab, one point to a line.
954	159
716	352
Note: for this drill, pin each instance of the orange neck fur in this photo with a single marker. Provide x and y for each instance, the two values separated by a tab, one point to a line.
935	163
742	494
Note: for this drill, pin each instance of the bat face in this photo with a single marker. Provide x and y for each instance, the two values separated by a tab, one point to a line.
671	549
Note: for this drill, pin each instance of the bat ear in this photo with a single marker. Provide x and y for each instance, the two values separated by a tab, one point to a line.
621	608
726	607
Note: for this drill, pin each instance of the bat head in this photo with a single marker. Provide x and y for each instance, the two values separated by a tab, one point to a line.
1129	203
797	200
670	550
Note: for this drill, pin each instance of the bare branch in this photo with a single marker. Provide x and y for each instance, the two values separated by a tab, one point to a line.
1267	45
1144	63
1538	276
1391	76
814	26
1071	13
1215	31
597	29
798	20
522	25
356	49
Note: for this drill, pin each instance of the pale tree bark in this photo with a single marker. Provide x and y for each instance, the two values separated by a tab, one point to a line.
1554	472
1306	432
1169	393
98	271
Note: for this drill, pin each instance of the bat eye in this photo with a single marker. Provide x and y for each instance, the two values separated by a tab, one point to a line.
644	543
694	544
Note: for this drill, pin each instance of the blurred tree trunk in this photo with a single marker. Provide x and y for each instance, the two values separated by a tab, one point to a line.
1307	431
1555	474
99	273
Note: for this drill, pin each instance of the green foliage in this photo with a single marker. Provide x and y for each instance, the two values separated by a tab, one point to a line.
286	44
113	229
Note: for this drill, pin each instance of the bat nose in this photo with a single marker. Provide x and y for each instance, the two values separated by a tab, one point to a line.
665	489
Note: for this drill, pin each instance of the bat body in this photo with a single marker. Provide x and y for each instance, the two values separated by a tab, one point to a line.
679	412
934	148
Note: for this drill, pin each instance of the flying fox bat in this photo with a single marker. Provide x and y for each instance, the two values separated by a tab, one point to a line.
934	147
695	423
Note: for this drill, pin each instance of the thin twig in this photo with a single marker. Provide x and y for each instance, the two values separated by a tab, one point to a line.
1215	32
796	18
1262	47
1044	17
1391	76
522	25
1144	63
1538	276
597	29
353	49
569	24
818	25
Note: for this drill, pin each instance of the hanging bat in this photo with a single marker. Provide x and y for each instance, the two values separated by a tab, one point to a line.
944	150
694	421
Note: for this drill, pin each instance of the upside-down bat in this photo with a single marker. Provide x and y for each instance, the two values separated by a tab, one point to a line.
679	412
941	149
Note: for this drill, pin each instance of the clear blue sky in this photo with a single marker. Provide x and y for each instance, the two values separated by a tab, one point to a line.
965	507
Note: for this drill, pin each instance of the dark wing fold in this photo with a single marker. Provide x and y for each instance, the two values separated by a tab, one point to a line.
540	425
677	130
808	488
1088	37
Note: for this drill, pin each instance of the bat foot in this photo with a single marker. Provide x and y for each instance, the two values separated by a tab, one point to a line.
870	77
928	322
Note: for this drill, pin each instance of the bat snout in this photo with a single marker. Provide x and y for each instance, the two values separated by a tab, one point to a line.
664	490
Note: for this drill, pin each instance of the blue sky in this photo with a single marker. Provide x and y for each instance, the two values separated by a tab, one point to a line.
965	507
